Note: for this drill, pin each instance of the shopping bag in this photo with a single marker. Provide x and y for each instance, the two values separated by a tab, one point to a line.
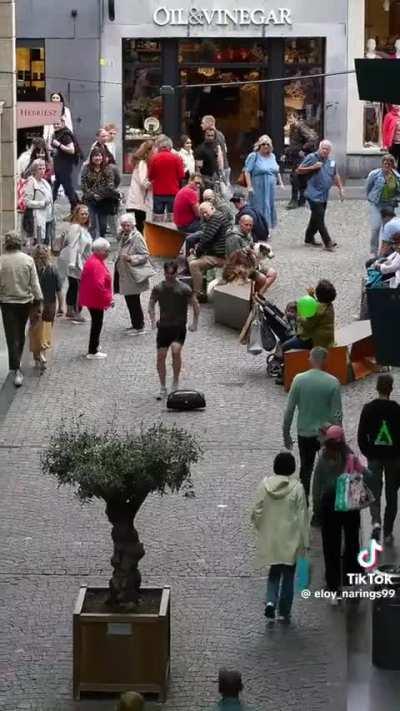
255	346
303	574
352	493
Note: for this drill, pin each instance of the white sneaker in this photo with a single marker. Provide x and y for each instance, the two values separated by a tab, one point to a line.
96	356
137	331
175	386
162	394
18	379
334	601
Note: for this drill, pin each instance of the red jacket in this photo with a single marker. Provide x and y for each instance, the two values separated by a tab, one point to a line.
166	172
95	290
389	128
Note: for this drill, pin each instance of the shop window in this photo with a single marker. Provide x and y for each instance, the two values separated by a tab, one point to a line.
222	51
141	92
382	24
31	83
30	72
304	98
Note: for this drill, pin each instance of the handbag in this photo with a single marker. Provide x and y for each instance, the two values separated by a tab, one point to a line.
142	272
242	180
352	493
186	400
303	574
255	346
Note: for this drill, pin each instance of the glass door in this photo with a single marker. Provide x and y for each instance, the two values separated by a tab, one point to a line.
238	109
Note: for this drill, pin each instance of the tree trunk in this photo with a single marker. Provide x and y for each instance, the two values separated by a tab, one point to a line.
128	551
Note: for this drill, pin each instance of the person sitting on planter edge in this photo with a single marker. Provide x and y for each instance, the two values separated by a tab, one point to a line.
229	686
130	701
318	330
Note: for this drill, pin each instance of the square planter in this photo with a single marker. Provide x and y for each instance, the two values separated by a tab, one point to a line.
127	651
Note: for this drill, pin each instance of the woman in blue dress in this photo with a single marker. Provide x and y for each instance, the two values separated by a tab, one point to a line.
262	175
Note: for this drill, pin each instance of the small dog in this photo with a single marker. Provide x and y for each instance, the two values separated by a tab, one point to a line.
264	253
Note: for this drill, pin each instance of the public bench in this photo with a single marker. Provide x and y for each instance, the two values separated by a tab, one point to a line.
163	239
232	304
352	357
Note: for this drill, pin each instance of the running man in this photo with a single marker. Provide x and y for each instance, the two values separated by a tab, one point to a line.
173	297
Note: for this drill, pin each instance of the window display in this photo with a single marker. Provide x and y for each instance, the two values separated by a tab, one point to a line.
31	83
303	98
141	92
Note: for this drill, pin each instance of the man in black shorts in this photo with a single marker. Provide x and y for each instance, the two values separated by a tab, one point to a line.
173	297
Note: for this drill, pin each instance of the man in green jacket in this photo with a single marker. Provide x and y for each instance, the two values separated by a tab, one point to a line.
316	397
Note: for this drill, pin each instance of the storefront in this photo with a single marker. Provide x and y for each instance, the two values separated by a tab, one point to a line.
222	43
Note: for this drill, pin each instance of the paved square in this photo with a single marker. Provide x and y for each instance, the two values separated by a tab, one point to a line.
51	545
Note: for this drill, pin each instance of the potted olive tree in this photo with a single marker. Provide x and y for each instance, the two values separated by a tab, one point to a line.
121	634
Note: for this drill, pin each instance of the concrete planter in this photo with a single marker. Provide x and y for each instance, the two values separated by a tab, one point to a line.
115	652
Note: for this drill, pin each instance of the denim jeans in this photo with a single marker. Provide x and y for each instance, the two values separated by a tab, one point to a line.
297	344
375	220
280	587
391	468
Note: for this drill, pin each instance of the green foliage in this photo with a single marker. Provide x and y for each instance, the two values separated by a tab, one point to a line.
121	467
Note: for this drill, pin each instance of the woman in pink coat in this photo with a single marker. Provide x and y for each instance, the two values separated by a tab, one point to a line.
95	293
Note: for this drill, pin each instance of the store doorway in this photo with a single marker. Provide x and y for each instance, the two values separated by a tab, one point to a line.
238	110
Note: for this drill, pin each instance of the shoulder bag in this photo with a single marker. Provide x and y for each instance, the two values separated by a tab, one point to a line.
142	272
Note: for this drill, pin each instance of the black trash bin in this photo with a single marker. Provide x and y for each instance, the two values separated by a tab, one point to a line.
386	623
384	312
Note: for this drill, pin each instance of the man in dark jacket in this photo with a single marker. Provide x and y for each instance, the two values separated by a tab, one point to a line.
379	441
260	226
210	251
303	140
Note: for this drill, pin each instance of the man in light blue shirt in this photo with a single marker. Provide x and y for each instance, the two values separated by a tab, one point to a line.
322	171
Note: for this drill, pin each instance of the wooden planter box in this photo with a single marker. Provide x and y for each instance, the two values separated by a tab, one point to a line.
115	652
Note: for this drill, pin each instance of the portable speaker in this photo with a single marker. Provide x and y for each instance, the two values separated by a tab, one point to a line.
186	400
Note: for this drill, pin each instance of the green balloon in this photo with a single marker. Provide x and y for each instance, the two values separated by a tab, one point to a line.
307	306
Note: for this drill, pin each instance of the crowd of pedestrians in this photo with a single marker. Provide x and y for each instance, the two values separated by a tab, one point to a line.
227	231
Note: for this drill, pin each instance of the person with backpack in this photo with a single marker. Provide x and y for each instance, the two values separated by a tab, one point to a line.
281	519
336	458
379	441
66	155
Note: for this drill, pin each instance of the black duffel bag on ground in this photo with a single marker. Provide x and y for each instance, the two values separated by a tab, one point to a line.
186	400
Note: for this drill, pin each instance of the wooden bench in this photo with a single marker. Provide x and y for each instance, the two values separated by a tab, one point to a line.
163	239
352	357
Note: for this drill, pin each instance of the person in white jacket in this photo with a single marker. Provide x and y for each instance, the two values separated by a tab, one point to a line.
39	198
281	519
139	198
187	155
48	131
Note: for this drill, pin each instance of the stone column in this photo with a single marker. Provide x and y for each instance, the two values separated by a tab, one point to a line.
8	130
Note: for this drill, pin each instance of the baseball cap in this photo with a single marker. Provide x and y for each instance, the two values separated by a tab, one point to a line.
335	433
391	229
238	195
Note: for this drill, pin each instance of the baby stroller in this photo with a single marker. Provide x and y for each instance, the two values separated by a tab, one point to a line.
276	328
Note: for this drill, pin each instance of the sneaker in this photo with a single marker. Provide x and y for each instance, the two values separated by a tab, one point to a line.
175	386
389	540
96	356
18	379
162	394
329	249
376	532
313	243
334	601
292	205
78	319
284	619
269	611
137	331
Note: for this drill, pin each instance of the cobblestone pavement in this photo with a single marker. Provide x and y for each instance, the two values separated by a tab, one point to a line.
52	545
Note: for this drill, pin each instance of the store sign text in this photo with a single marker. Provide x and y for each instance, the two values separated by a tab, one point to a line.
242	16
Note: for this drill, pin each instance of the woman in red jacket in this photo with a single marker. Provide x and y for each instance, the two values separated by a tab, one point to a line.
95	293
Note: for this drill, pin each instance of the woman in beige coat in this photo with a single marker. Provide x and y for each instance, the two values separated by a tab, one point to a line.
133	269
139	199
281	519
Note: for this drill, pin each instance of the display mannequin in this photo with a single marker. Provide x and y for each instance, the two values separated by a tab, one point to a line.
371	49
391	132
372	109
